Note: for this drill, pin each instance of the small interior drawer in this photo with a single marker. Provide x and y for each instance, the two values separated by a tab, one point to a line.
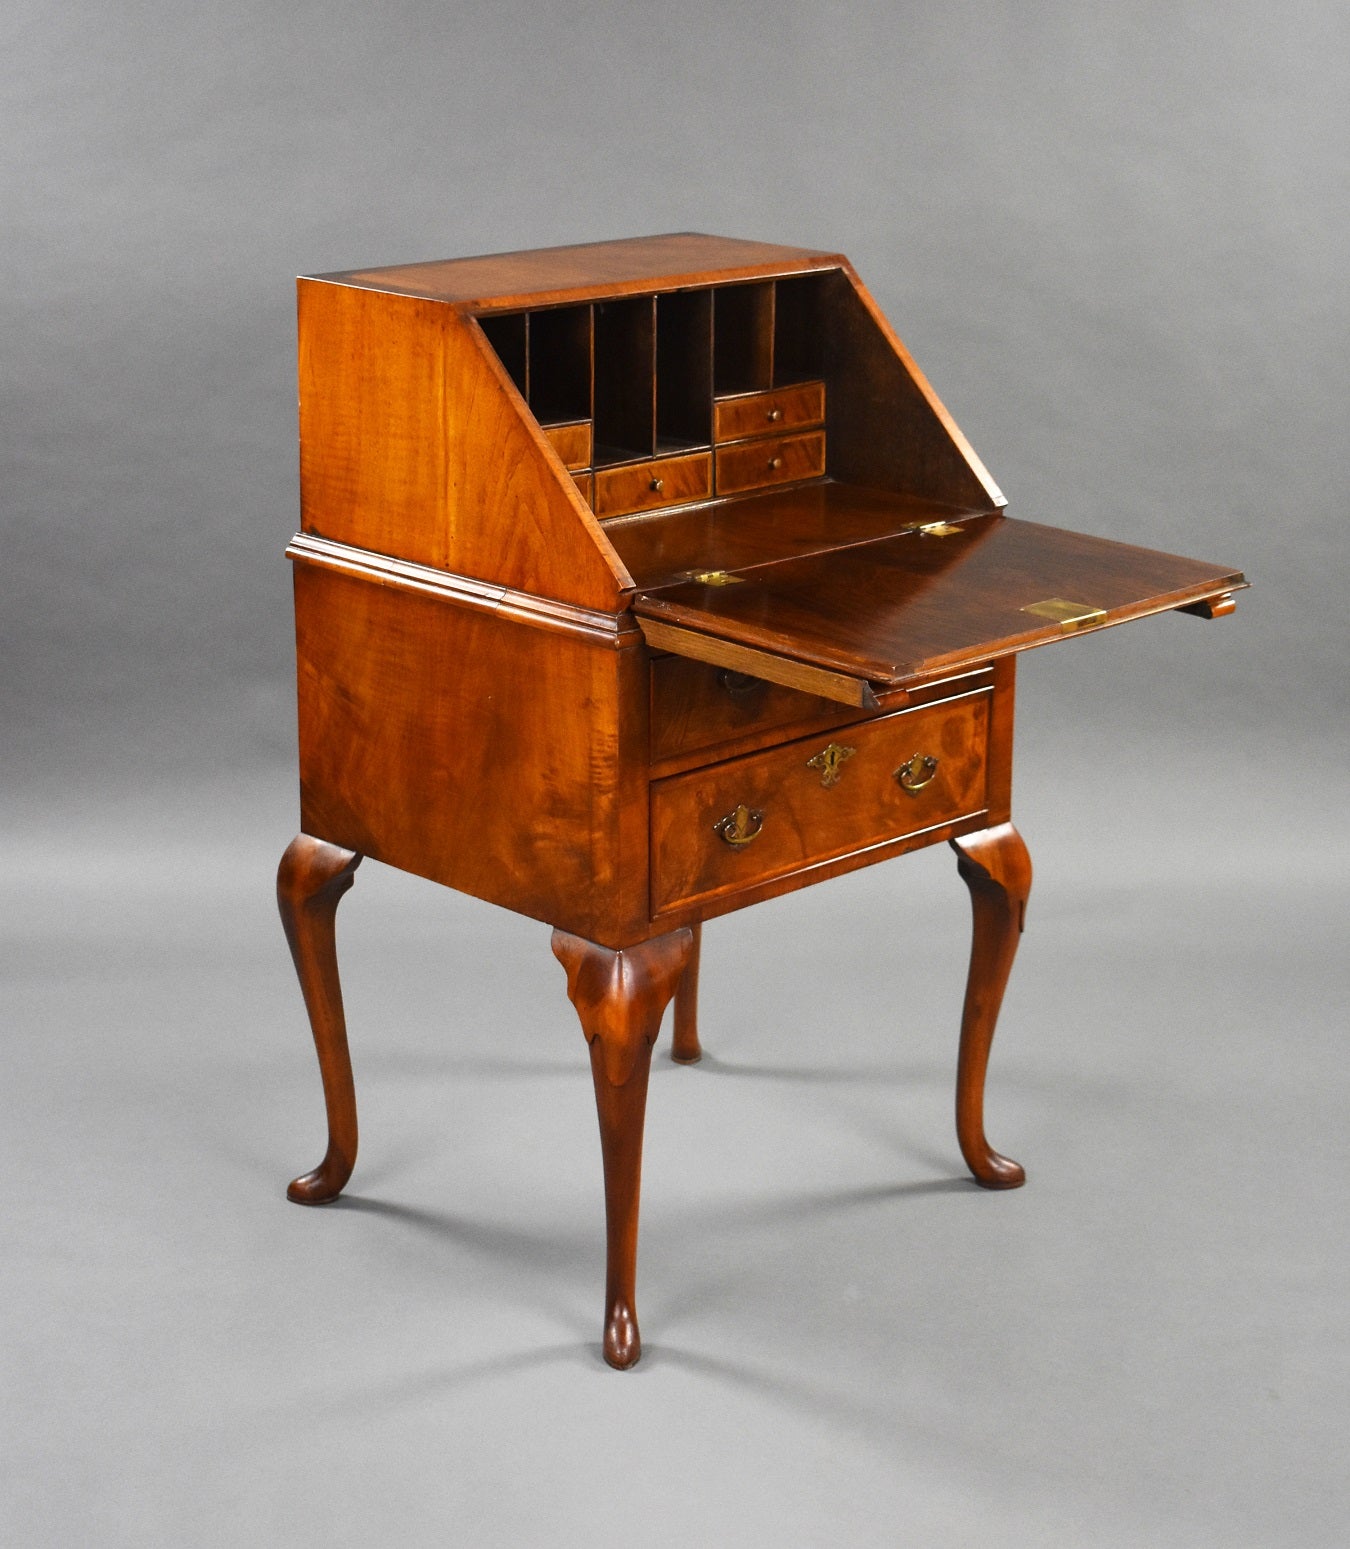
771	460
764	414
662	481
735	824
572	442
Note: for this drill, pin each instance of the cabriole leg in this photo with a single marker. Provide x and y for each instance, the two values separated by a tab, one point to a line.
996	868
687	1049
311	880
620	998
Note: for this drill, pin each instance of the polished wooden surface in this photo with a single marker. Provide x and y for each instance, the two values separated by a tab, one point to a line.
907	606
571	442
773	666
686	1049
544	275
765	528
769	413
503	756
620	998
745	465
887	427
504	693
661	481
701	711
996	868
414	440
311	880
806	818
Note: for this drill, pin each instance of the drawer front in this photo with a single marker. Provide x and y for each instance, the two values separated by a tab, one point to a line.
585	482
765	414
733	825
697	707
664	481
772	460
571	442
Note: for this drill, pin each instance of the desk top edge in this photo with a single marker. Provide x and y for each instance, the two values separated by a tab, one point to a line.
539	275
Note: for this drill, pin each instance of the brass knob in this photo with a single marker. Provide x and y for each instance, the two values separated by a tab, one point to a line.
657	485
916	772
775	414
775	462
740	827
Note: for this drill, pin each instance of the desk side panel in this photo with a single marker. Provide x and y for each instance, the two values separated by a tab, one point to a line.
885	426
489	754
413	443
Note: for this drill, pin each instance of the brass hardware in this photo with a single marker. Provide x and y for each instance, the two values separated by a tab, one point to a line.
775	414
739	685
1068	615
657	485
1216	607
828	761
715	577
775	462
938	530
916	772
740	827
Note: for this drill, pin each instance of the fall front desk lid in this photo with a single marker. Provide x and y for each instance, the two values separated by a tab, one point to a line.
857	622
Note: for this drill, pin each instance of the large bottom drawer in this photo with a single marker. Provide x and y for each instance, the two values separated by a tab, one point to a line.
745	821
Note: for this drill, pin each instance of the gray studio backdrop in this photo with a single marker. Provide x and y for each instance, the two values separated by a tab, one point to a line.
1115	239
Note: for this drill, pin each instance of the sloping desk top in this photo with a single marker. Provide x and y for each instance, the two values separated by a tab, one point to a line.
843	581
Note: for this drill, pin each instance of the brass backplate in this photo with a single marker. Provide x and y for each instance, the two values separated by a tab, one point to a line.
1068	615
828	761
740	827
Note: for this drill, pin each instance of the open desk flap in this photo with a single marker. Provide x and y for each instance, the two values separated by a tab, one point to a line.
858	623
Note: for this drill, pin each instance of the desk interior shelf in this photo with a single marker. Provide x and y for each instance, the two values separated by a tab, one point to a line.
675	397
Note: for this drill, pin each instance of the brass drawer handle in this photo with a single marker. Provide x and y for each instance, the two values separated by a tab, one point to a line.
740	827
775	462
774	414
657	485
916	773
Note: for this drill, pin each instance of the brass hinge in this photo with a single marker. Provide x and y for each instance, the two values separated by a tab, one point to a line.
1068	615
715	577
937	529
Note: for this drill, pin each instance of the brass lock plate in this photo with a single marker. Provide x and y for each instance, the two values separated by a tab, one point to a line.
1068	615
829	761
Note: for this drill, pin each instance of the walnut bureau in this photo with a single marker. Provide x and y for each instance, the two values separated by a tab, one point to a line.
638	582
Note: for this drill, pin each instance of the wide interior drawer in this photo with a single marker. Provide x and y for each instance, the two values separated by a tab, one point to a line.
771	460
735	824
765	414
662	481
